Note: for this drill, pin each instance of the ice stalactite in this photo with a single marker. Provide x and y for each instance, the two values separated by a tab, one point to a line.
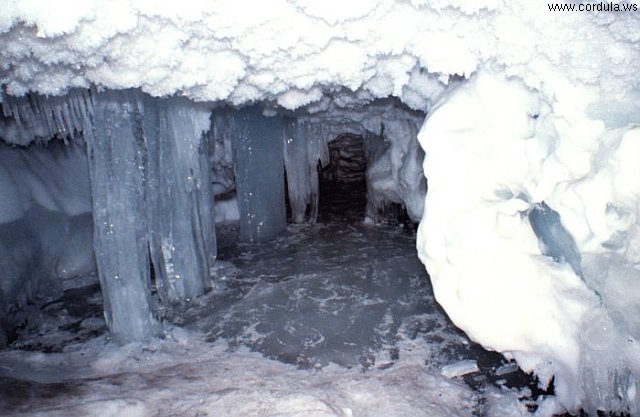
259	170
376	148
116	148
39	117
180	200
301	158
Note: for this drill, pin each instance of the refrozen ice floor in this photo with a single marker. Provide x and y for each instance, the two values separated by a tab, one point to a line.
326	293
332	320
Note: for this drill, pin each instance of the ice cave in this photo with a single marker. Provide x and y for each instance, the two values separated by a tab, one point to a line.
302	208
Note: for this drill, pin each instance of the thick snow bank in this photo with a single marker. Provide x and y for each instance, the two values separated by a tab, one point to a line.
495	151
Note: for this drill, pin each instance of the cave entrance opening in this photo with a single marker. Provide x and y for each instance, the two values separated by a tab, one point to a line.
342	182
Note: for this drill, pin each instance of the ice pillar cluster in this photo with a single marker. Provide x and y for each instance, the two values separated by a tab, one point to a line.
116	150
180	202
303	151
152	201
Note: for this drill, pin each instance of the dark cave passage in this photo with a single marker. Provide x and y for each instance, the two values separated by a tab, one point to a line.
343	185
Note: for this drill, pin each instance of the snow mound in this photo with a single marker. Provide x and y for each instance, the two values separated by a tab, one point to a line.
530	236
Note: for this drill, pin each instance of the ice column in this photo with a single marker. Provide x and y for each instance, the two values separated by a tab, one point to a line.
116	151
302	172
180	201
259	169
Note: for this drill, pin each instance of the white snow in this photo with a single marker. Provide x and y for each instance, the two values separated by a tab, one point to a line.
186	376
459	368
515	148
290	50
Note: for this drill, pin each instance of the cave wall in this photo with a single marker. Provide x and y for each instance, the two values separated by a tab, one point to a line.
46	227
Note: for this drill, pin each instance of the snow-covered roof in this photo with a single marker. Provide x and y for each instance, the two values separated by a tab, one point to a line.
292	51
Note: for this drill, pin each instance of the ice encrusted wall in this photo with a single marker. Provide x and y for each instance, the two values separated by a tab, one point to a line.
526	106
46	229
389	129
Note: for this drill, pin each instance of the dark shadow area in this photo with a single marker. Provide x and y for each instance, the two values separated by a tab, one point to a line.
395	214
75	317
17	395
343	184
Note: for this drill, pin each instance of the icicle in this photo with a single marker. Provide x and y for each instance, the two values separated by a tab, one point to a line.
376	148
66	117
43	117
85	106
316	145
295	161
180	201
57	118
74	114
259	169
40	103
301	160
116	165
320	144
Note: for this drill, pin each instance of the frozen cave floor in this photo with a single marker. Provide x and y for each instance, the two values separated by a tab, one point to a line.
326	298
337	292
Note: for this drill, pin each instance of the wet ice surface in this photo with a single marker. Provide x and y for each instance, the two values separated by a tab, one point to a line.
334	319
326	293
340	292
